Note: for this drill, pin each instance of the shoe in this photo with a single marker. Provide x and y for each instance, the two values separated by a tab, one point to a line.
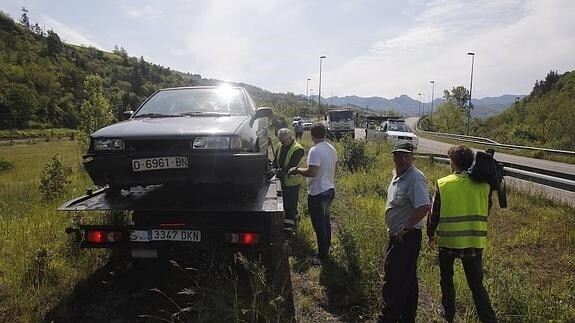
448	317
289	226
315	261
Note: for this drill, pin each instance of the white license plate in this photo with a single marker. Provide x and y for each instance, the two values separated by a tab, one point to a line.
165	235
144	164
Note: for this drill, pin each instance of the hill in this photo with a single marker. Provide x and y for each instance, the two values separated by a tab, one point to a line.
42	79
544	118
405	105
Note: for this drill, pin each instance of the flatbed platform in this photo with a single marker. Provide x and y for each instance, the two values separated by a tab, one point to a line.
181	198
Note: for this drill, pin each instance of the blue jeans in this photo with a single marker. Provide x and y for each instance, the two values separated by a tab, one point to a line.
319	212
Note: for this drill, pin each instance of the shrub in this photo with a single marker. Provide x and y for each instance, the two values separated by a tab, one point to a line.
54	179
354	154
5	165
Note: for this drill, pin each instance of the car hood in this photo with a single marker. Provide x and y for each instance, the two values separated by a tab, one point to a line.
172	126
400	133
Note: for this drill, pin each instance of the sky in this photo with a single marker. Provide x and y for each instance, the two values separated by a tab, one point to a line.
373	47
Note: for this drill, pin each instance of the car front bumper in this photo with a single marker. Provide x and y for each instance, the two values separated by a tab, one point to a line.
246	169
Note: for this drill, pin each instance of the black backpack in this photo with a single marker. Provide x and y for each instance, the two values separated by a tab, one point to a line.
485	169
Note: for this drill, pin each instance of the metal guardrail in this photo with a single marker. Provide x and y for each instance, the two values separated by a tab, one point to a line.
546	177
491	142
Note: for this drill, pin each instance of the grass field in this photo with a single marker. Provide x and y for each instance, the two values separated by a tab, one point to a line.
39	264
529	262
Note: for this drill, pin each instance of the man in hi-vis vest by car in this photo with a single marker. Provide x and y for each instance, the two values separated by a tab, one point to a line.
458	224
288	155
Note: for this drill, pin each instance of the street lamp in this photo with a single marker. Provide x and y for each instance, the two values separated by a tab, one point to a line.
432	93
419	113
319	94
470	105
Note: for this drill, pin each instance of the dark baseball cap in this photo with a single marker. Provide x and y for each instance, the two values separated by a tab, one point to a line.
403	147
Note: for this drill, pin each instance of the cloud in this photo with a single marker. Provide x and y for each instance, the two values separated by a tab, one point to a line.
147	13
68	34
516	42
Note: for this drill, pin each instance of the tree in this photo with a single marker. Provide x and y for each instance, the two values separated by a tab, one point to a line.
450	118
95	111
54	44
18	103
24	20
458	95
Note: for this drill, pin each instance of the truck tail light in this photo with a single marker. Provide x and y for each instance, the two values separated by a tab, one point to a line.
244	238
103	236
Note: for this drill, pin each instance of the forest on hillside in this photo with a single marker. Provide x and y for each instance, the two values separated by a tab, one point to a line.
544	118
42	79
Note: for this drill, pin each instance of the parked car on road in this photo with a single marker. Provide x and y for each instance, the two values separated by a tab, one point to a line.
203	135
396	130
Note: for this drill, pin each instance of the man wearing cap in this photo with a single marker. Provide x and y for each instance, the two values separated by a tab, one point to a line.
407	205
288	155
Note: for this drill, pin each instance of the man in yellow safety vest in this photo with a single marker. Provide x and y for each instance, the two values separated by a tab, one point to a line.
458	224
287	155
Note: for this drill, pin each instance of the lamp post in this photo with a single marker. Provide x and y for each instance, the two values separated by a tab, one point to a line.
432	93
319	93
470	105
419	113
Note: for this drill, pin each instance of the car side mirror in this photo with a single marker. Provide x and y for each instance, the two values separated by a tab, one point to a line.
263	112
127	114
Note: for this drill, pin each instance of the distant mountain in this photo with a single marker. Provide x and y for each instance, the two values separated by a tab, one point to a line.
405	105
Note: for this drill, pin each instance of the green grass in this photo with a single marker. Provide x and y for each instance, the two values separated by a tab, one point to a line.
39	266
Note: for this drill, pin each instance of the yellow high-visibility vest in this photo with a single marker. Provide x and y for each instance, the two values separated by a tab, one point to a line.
290	180
463	212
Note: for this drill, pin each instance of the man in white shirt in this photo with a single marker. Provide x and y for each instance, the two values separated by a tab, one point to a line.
320	174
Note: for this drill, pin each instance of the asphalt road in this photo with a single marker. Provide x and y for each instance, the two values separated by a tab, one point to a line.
432	146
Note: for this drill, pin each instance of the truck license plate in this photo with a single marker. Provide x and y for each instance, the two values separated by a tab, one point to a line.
165	235
145	164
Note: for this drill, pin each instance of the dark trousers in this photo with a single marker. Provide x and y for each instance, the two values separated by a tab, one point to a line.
298	135
400	289
319	212
290	199
473	267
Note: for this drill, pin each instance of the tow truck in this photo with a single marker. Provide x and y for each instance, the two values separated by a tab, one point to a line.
166	219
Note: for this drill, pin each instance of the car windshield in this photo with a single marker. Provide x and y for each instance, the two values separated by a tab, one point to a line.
340	115
401	127
196	102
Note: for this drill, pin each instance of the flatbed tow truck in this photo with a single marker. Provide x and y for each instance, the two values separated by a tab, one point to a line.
166	219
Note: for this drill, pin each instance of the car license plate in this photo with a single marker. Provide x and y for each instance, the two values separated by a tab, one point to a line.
145	164
165	235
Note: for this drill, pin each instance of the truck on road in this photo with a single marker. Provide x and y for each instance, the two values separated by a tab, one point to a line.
340	122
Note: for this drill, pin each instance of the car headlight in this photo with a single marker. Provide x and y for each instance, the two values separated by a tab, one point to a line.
220	142
108	144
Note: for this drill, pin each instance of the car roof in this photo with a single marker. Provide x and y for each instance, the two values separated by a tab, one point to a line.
201	87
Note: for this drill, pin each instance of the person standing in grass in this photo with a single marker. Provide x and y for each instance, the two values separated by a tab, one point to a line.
288	155
320	173
407	205
458	224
